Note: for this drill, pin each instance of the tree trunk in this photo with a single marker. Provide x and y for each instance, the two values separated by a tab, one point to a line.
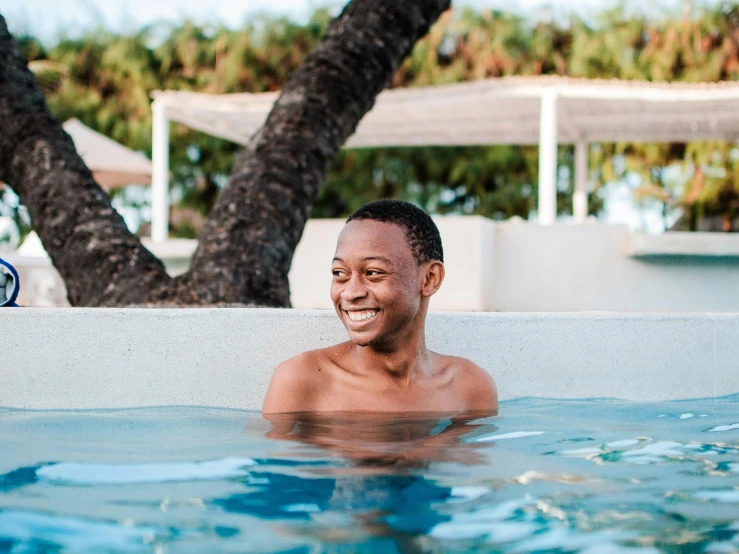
249	238
101	262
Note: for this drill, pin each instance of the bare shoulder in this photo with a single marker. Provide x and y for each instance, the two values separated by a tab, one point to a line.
295	383
475	386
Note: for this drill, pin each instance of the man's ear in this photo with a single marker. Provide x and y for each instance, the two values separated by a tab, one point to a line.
433	276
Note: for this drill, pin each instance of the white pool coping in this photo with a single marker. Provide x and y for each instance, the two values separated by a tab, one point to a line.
65	358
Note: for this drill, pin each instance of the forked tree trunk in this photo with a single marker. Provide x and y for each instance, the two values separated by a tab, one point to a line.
249	238
248	241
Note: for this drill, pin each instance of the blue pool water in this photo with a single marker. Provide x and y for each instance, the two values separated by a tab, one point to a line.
563	476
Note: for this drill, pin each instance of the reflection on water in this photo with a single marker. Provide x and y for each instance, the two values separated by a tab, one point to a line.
371	440
588	476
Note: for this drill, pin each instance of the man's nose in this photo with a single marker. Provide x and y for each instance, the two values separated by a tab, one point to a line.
354	289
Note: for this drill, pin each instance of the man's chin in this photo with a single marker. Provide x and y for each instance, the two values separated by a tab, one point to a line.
362	339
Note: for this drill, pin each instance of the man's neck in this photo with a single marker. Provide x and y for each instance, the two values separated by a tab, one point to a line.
401	361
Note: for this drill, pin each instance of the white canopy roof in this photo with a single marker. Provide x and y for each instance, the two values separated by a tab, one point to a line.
498	111
112	164
513	110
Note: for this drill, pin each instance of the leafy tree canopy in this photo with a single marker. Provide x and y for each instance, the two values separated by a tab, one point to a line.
105	80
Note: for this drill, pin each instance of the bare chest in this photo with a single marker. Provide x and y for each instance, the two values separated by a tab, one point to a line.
357	396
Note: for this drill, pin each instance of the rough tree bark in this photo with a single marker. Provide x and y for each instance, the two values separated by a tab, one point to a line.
88	242
247	244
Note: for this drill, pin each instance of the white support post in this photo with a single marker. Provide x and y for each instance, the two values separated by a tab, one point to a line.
580	196
548	138
160	173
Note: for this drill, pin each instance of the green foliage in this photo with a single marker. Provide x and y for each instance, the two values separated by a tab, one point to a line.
106	79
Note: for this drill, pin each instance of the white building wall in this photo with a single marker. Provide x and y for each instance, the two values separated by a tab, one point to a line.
519	266
510	266
589	267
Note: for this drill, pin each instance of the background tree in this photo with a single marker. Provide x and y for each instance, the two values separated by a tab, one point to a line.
248	240
111	76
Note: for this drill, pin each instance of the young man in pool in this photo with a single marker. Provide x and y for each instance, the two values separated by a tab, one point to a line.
388	264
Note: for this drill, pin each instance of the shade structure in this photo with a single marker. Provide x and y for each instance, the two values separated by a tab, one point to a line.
516	110
112	164
498	111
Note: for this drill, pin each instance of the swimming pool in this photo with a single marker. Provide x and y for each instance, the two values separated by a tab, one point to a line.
544	475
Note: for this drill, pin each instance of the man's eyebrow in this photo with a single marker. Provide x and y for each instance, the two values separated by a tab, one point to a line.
368	258
379	259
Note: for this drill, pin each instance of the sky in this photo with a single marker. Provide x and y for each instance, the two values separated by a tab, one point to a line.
46	18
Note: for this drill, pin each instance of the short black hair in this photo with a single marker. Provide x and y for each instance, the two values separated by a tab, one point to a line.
422	234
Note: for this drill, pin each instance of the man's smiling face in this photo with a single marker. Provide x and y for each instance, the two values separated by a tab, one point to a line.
377	283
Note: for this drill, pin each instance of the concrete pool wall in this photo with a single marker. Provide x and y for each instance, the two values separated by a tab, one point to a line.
119	358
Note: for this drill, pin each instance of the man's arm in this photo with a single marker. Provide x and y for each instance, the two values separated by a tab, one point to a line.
292	387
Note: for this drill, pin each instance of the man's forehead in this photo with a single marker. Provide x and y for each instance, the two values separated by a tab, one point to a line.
371	230
373	239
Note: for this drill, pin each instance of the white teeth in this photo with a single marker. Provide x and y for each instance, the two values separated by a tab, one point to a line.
361	316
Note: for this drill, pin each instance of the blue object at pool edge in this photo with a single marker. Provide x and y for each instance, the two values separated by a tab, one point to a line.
10	302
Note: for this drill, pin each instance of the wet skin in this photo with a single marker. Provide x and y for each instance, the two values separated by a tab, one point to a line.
381	294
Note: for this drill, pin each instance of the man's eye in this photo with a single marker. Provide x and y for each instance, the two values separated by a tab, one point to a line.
373	273
338	273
